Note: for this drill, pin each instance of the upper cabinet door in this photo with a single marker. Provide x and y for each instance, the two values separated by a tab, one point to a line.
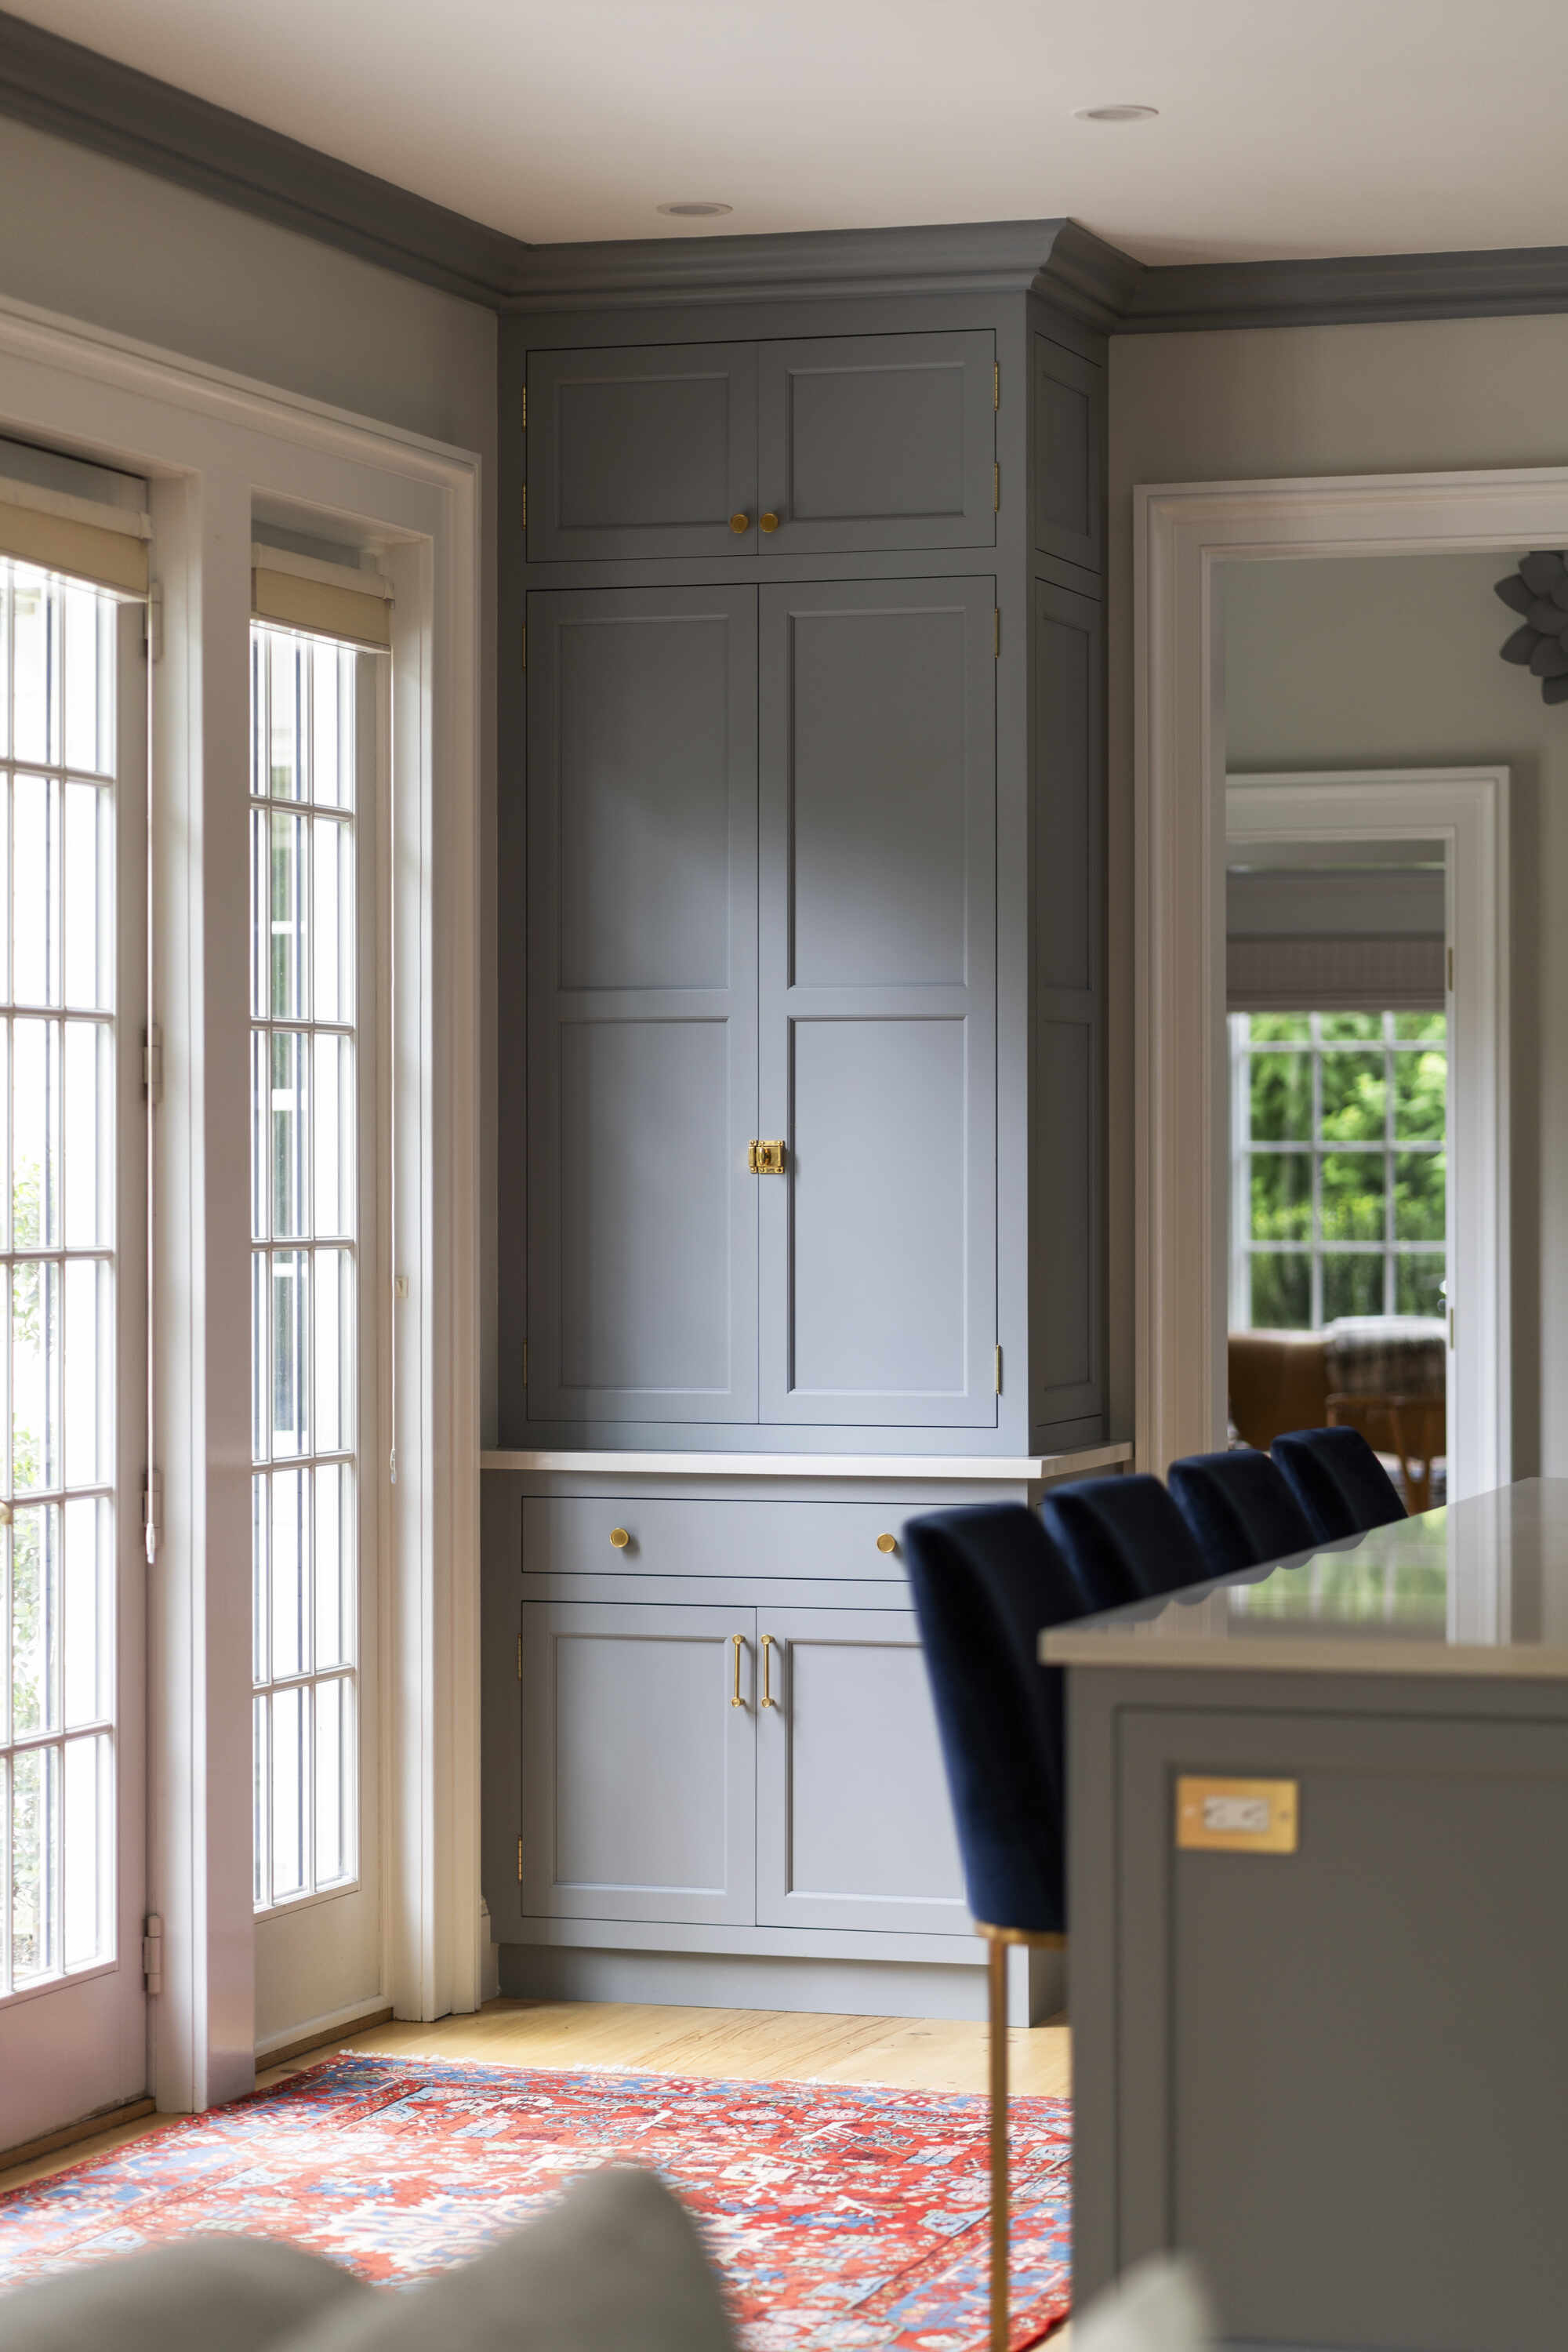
1068	392
643	452
642	717
878	1003
876	441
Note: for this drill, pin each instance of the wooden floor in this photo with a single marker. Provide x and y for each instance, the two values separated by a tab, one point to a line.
748	2044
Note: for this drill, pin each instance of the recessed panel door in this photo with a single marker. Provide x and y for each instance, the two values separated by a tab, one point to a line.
876	441
643	865
854	1823
639	1762
643	452
877	1003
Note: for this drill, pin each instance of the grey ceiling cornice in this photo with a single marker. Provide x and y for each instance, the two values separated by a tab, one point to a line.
60	86
1367	288
77	93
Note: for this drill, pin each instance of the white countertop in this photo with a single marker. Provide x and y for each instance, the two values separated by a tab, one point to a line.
1004	1469
1478	1588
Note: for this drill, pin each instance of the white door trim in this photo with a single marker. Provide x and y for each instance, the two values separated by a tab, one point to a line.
209	442
1182	532
1466	809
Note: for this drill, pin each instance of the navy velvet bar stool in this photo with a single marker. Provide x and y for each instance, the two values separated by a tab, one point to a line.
1123	1539
1239	1509
1338	1480
985	1582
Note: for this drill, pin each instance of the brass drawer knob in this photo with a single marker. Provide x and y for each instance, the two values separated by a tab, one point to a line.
740	522
887	1543
620	1537
770	522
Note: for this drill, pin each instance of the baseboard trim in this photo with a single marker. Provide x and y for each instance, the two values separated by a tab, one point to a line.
130	2111
278	2051
761	1980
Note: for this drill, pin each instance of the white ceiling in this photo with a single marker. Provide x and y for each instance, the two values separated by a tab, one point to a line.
1287	127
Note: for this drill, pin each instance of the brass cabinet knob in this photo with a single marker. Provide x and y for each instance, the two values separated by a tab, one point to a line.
740	522
620	1537
770	521
887	1543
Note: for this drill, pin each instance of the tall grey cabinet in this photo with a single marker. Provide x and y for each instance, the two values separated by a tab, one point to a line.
800	1025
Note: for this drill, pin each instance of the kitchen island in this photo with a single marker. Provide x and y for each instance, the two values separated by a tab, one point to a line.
1318	1927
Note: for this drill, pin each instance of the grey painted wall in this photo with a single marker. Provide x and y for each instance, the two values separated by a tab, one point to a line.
1289	401
102	243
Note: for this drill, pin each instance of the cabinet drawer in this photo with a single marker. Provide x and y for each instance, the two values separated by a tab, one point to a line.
574	1537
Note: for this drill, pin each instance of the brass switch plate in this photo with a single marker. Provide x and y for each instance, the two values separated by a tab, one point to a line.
1237	1816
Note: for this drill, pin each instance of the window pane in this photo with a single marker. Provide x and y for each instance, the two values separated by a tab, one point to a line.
333	940
88	1523
1281	1089
290	1569
334	1565
334	1325
1420	1095
1350	1028
35	1374
332	726
281	781
87	1372
87	1144
35	880
1354	1092
291	1778
35	1861
1279	1028
35	653
333	1780
1351	1285
1420	1188
1281	1292
88	680
1418	1284
86	1845
34	1135
332	1135
1354	1202
34	1620
1282	1196
287	983
287	1141
1421	1028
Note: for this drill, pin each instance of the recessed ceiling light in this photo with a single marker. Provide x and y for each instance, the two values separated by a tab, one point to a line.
1115	113
695	211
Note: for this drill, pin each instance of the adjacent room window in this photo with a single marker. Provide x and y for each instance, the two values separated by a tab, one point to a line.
58	1049
1339	1126
305	1039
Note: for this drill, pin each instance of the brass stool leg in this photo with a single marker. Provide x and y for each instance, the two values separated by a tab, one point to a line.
996	1990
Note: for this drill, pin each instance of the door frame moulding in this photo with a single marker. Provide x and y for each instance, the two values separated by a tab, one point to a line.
1467	809
210	441
1182	533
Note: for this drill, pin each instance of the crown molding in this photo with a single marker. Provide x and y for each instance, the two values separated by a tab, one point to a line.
1367	289
60	86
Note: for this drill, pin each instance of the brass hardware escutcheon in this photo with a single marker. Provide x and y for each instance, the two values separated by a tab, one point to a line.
739	523
620	1537
766	1159
1237	1816
887	1543
737	1642
768	1699
770	521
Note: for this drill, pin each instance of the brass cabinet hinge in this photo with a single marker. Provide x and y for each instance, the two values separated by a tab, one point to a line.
525	408
519	1862
766	1159
525	506
520	1657
998	1371
997	631
152	1952
997	385
995	490
153	1064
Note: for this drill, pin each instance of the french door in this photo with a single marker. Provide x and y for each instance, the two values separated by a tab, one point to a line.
73	1350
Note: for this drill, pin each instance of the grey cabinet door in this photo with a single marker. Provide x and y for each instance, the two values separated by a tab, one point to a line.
638	1771
878	991
642	958
877	441
1068	397
646	451
853	1826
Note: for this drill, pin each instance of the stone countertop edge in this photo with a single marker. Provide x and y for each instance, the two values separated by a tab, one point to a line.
994	1469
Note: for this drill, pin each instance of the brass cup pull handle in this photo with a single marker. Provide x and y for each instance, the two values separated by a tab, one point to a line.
770	521
620	1537
737	1644
768	1699
887	1543
740	522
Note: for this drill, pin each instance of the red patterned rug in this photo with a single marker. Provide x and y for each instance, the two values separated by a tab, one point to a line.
841	2218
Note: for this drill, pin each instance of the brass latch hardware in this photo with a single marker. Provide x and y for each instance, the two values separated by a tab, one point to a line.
1236	1816
766	1159
768	1699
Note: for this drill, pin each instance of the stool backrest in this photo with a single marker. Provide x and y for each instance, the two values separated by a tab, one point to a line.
1124	1539
1239	1509
1341	1485
984	1580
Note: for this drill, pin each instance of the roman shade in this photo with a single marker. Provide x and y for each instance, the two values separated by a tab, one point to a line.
1353	974
325	600
104	545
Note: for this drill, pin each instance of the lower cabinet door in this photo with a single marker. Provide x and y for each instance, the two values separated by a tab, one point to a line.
640	1769
854	1827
